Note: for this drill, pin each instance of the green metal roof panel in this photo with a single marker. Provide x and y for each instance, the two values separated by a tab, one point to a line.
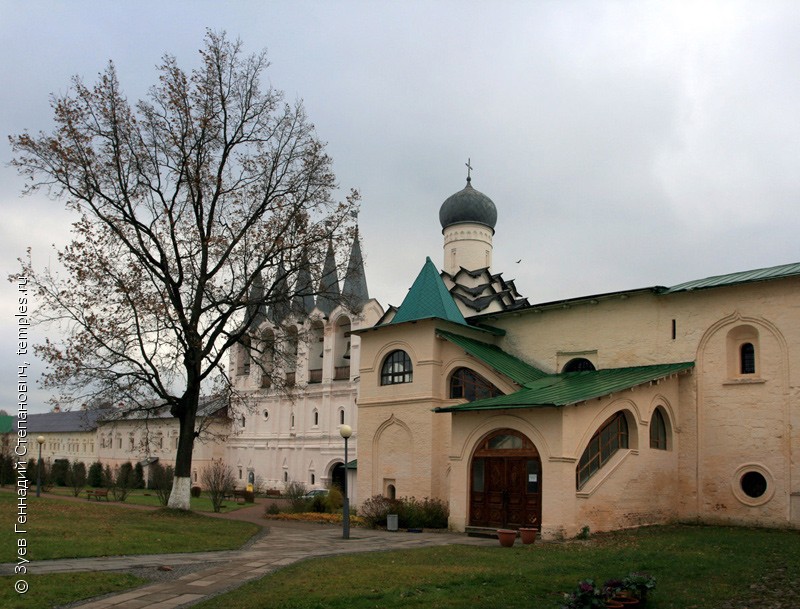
573	387
428	298
493	356
6	423
775	272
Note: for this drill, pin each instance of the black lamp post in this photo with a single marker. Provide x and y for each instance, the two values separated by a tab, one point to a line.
346	431
40	440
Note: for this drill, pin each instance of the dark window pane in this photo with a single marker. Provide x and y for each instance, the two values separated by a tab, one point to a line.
748	359
754	484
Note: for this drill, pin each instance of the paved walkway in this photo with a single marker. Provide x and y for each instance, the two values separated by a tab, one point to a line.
284	544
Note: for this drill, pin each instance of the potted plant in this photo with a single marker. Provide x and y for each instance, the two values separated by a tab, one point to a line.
587	596
639	584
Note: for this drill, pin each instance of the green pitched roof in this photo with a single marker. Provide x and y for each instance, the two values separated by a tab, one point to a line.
6	423
428	298
512	367
573	387
774	272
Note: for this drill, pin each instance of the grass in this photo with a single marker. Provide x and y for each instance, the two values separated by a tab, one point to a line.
696	567
149	498
72	529
57	589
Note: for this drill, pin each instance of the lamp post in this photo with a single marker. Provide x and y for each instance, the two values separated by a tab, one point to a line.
346	431
40	440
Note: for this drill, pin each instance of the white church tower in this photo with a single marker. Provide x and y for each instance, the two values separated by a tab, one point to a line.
468	219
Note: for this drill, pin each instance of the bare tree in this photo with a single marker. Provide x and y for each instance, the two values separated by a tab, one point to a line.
218	480
197	208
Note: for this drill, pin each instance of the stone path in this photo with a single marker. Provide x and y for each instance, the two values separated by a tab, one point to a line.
284	544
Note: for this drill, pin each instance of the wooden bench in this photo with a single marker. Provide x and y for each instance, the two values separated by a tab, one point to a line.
239	495
97	493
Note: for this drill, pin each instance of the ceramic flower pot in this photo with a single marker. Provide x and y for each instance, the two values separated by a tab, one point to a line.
528	534
506	537
628	602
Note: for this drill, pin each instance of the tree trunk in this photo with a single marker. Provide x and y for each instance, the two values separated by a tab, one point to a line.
182	483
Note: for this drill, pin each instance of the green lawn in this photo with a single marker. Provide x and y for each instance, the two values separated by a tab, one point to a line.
144	497
57	589
67	529
696	568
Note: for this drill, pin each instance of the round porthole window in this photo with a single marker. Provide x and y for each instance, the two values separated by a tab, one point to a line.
754	484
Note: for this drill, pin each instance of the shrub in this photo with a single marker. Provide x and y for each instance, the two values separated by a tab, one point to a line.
160	480
219	481
138	475
436	513
30	471
273	509
375	509
59	472
77	477
7	472
195	491
318	505
123	482
294	492
95	476
108	477
411	513
334	500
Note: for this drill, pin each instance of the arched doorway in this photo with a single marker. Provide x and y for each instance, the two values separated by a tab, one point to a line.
337	476
505	482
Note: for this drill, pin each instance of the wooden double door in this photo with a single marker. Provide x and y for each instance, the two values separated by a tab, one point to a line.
506	482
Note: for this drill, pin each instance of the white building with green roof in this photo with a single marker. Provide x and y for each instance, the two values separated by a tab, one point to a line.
603	411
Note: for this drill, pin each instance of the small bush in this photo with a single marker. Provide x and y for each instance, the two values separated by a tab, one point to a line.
334	500
76	476
160	480
218	478
95	476
138	475
195	491
411	513
273	509
60	472
318	505
123	482
294	492
375	509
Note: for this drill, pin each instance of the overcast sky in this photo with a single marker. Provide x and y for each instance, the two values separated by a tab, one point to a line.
625	144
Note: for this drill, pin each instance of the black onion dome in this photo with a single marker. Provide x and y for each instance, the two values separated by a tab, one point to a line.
468	205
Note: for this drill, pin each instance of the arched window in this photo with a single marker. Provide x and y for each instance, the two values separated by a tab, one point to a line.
578	364
468	385
743	352
612	435
747	358
316	418
658	431
292	344
341	417
316	351
396	368
268	357
243	363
